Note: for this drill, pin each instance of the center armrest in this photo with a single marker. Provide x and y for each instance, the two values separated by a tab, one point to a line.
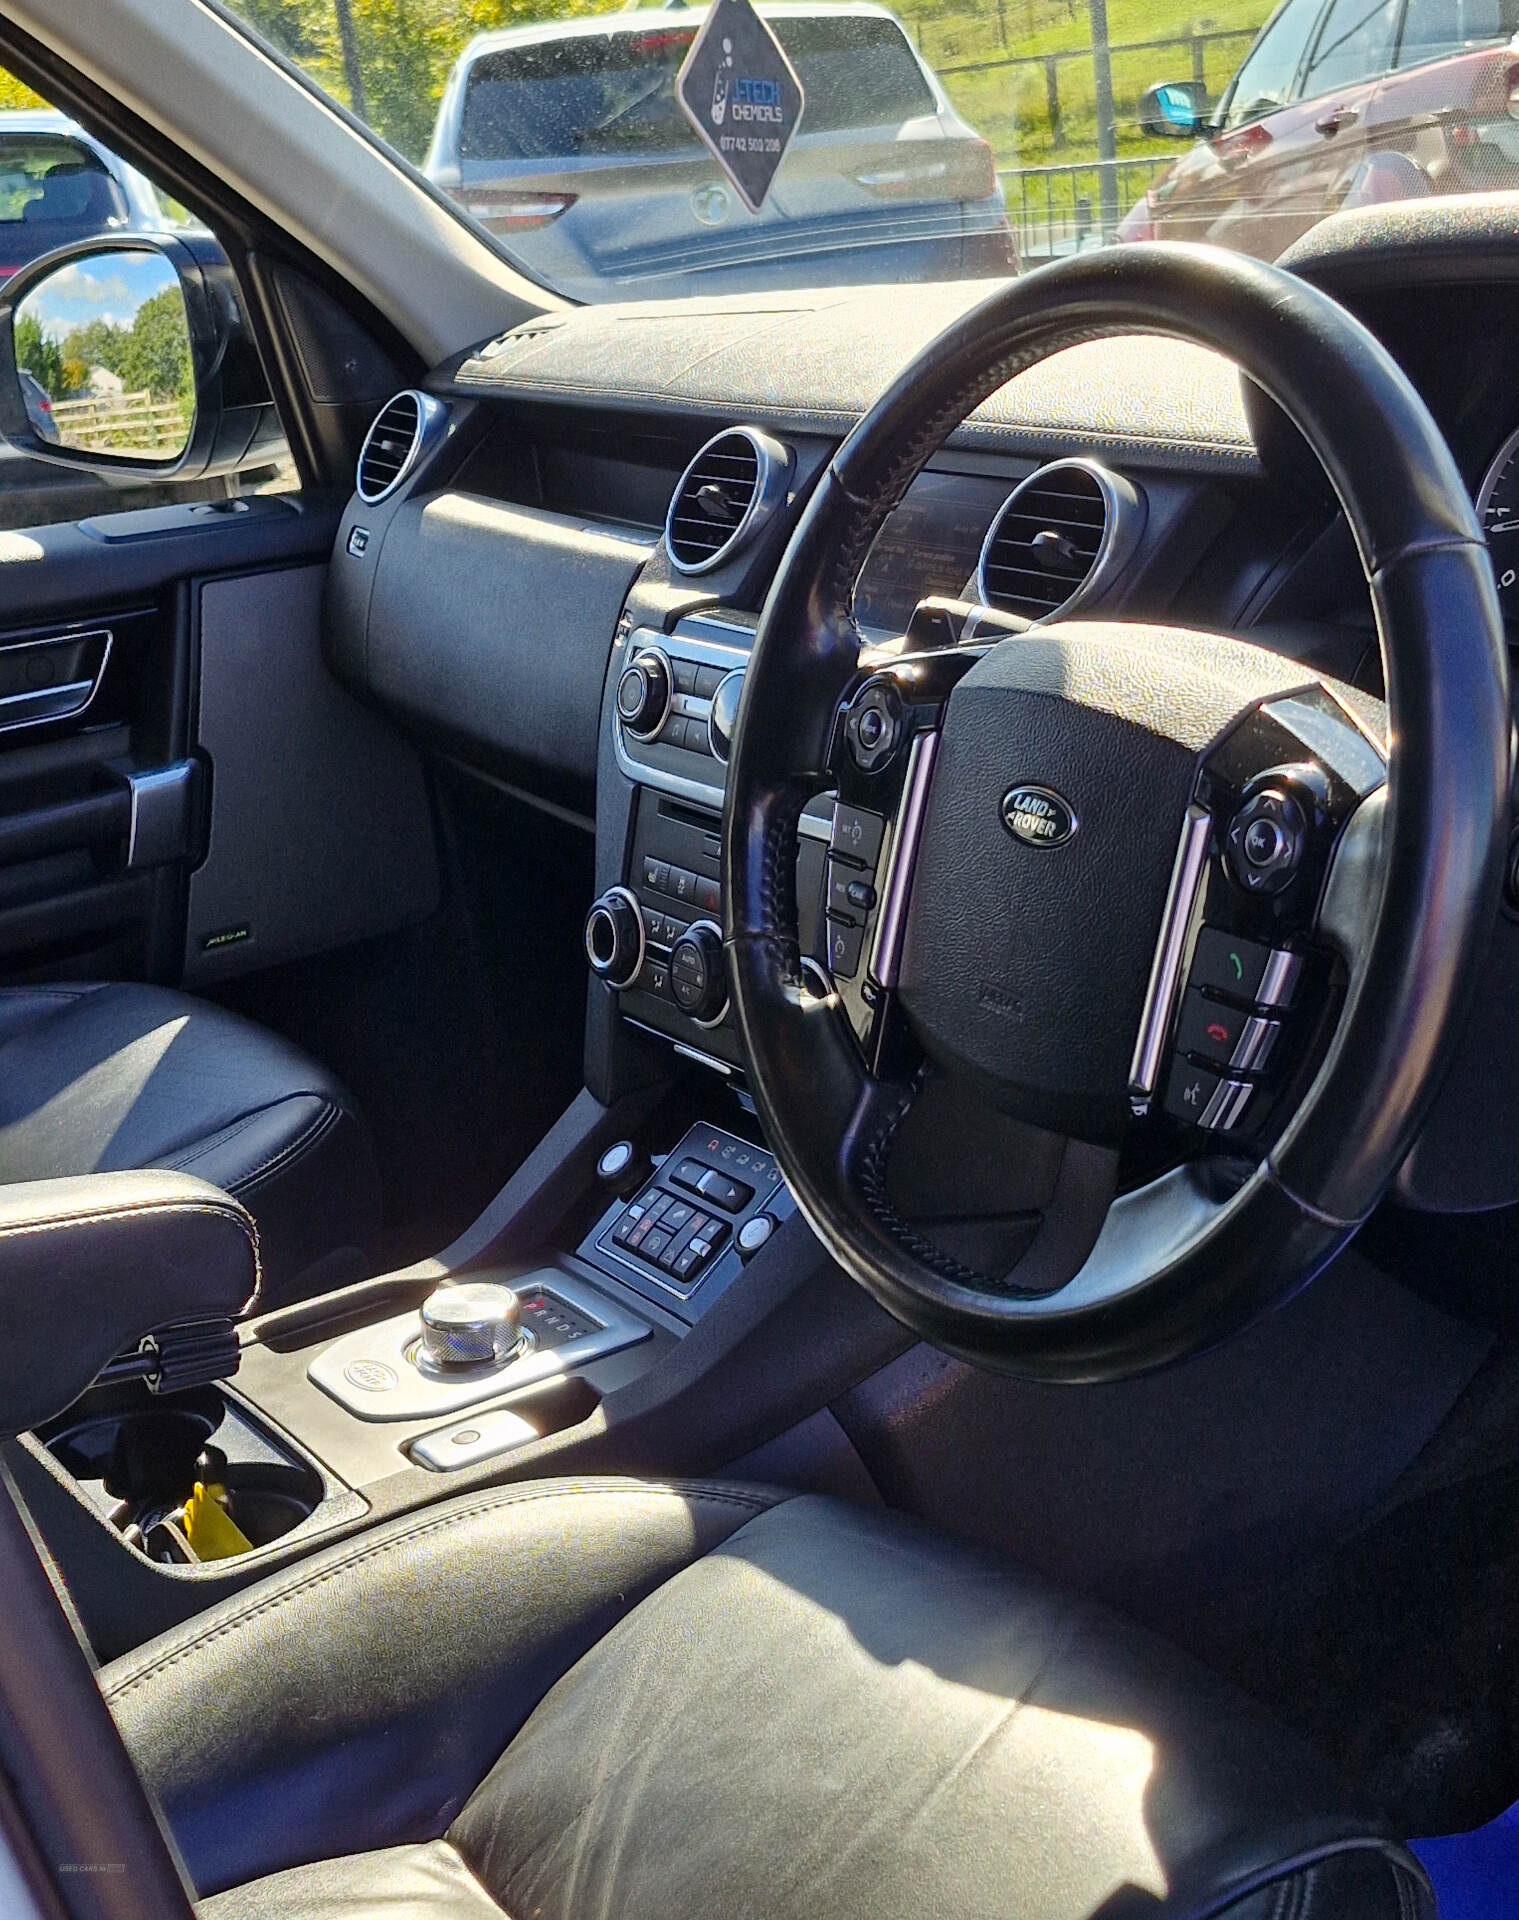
90	1266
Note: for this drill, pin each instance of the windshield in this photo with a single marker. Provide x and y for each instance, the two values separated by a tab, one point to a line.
615	156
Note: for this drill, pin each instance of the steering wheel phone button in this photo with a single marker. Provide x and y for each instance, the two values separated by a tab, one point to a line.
1209	1027
1279	979
1256	1044
1227	1108
1227	964
1190	1092
857	834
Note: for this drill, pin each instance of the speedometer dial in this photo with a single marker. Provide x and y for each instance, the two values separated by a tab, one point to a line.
1498	511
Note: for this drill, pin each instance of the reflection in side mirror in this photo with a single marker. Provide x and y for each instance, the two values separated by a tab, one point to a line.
102	349
1175	110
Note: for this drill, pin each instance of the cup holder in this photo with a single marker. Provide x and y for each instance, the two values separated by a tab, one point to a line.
139	1457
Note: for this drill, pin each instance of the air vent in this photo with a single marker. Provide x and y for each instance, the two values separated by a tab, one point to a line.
393	445
726	494
1060	538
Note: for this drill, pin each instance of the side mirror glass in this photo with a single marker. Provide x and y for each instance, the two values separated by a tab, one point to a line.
102	349
1174	110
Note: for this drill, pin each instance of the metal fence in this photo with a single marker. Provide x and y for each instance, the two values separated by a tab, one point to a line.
1195	47
1055	211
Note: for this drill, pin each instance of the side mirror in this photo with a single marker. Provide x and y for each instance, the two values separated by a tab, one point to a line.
1174	110
130	358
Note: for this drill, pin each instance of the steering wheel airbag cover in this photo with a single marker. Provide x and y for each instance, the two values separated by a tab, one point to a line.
999	976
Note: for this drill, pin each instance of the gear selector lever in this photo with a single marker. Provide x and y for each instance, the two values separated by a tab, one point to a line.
471	1324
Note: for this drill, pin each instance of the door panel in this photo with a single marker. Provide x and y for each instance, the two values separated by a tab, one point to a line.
108	804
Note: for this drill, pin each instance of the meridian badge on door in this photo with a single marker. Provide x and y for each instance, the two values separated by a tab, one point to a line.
739	91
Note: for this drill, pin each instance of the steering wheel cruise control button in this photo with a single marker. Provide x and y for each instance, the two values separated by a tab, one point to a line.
845	943
857	834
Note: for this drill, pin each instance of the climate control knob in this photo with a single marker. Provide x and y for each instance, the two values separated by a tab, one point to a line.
724	716
698	979
643	693
614	937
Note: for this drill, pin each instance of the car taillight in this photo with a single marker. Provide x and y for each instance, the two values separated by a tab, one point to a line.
505	212
933	170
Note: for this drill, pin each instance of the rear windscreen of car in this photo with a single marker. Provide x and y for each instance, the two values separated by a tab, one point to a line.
607	94
1434	29
52	190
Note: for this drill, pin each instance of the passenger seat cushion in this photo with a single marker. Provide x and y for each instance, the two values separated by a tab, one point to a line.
116	1077
796	1708
836	1713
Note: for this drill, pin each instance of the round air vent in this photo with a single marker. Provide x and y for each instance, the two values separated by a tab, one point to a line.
1060	538
725	496
402	430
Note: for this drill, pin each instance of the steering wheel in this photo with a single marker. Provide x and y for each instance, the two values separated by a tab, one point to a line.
1147	946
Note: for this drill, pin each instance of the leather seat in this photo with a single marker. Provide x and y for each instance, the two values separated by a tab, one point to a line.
115	1078
608	1698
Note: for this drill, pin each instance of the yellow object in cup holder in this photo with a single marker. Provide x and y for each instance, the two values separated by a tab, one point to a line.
209	1528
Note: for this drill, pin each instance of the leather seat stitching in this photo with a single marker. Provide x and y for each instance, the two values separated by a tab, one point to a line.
97	1216
392	1543
182	1160
324	1123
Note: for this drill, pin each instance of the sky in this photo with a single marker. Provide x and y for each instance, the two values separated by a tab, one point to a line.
109	286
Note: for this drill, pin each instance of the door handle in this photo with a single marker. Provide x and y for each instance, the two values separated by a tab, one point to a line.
1335	119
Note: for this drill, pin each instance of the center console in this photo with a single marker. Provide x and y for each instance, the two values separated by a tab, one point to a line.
654	936
640	1297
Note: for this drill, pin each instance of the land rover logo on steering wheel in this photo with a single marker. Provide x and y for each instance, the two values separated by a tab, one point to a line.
1038	816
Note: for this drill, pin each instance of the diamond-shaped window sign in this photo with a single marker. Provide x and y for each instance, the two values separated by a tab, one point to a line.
740	92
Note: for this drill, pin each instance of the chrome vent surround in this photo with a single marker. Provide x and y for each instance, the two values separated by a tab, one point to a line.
724	497
402	430
1060	539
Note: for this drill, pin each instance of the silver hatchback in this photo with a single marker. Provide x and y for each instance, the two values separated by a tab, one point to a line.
566	139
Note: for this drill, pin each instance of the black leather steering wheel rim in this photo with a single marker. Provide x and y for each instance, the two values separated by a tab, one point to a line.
1187	1266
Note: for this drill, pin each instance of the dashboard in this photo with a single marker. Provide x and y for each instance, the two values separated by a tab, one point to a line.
562	587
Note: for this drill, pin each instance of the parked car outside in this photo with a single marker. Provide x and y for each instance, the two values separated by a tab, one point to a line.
1339	103
566	139
59	184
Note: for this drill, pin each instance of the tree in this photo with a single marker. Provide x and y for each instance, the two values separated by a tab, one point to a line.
156	352
40	355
